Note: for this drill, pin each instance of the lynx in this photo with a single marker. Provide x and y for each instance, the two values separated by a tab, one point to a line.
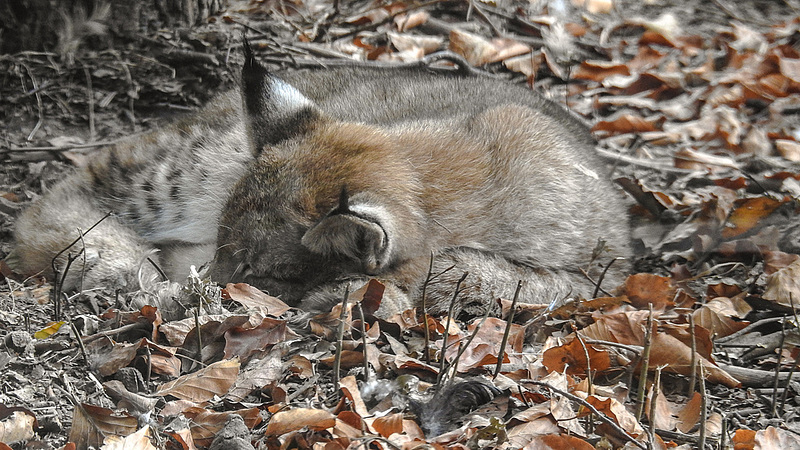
305	183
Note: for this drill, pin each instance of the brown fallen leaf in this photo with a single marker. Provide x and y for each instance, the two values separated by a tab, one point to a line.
599	70
616	411
664	417
676	356
776	438
557	442
389	424
16	427
572	357
92	424
294	419
689	415
783	286
139	440
744	439
474	48
626	122
254	299
205	424
644	289
717	315
204	384
748	213
243	342
350	390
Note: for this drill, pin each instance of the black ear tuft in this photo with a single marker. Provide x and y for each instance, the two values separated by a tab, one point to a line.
274	109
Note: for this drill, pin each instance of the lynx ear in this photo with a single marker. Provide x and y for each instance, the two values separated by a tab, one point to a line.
359	231
274	109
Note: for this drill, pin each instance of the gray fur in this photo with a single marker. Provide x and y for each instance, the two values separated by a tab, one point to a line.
489	177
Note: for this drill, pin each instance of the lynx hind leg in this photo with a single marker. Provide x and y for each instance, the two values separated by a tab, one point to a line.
113	253
490	277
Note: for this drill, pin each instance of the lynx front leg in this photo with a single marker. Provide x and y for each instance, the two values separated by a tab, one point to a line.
113	253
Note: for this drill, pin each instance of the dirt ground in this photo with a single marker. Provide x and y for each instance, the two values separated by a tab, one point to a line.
56	109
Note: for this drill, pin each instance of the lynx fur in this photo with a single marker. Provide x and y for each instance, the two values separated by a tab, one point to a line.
307	182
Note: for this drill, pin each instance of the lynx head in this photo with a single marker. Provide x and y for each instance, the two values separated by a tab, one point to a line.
308	210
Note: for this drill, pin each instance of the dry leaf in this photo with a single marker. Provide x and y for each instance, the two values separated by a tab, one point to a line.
17	427
644	289
206	424
572	357
626	123
139	440
204	384
254	299
788	149
689	415
557	442
664	418
783	286
92	424
748	213
717	316
474	48
243	342
294	419
388	425
51	329
776	438
616	411
350	390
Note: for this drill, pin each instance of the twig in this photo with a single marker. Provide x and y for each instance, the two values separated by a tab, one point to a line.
59	283
158	268
610	422
60	148
507	332
486	18
603	276
589	379
693	364
83	266
90	101
109	333
39	107
645	361
465	346
748	329
653	400
778	369
663	167
796	359
447	327
703	408
363	341
337	359
427	345
199	337
80	341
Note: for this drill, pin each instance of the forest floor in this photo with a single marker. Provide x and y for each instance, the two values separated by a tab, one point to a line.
696	108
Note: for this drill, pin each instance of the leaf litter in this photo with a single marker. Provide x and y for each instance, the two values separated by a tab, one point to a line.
698	117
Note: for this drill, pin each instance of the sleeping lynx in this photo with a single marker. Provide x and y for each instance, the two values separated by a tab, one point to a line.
305	183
